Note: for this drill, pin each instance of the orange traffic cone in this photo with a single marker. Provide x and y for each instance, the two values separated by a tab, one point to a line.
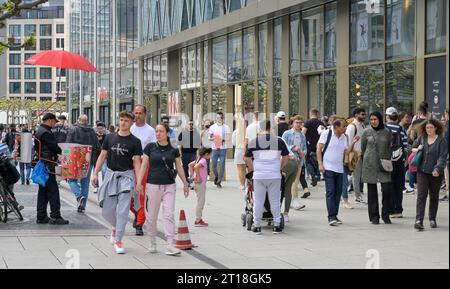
183	239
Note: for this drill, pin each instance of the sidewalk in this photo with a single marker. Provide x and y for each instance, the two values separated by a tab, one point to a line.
307	242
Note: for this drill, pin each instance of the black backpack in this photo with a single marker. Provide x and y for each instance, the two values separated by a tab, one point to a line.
10	140
396	145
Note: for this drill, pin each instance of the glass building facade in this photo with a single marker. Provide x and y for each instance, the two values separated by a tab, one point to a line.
201	56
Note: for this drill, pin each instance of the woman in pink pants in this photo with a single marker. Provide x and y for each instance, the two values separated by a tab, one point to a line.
161	187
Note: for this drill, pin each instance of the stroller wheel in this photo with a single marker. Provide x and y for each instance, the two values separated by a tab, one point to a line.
249	221
243	220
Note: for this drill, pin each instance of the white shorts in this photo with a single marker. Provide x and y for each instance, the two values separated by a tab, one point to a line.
239	157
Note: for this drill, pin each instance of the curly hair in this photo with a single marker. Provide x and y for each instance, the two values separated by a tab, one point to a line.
437	124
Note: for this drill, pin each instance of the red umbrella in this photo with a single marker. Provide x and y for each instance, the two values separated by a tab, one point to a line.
61	59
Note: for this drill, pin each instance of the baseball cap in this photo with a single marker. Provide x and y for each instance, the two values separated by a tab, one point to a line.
391	111
48	116
281	114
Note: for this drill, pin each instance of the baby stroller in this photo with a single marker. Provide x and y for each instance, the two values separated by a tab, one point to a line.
247	217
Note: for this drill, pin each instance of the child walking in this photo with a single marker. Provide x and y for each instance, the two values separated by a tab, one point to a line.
199	171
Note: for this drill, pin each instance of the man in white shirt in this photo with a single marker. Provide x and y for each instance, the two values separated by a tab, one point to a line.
331	149
253	129
219	134
146	134
356	128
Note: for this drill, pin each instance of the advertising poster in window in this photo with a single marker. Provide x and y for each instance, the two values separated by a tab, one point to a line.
435	85
396	26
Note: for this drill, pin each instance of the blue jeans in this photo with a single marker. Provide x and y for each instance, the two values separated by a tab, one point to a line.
412	179
22	167
80	187
333	187
345	184
222	154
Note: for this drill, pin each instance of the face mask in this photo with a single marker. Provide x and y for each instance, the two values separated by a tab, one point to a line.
207	126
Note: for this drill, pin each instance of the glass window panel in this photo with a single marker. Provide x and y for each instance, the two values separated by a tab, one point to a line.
45	87
205	63
184	66
248	97
262	96
400	29
235	5
30	73
14	73
45	30
330	35
367	88
315	93
15	87
198	71
29	29
294	95
367	31
205	107
329	103
220	60
14	59
30	87
312	39
164	76
277	94
192	64
400	85
248	71
277	43
157	72
262	50
220	7
235	57
14	30
45	44
295	43
219	98
59	28
436	33
148	70
45	73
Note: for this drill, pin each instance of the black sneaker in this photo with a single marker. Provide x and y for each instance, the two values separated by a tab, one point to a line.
58	221
306	195
43	221
28	182
139	231
277	230
135	223
444	199
333	222
419	226
215	181
339	222
219	185
257	230
375	222
433	224
314	181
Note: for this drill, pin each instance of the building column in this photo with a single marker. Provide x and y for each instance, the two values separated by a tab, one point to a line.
140	81
285	56
343	58
95	107
114	88
270	65
420	51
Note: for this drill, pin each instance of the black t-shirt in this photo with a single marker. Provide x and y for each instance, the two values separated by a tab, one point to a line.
312	135
282	127
158	174
121	150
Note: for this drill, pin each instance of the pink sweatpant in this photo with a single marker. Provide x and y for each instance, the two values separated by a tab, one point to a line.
155	194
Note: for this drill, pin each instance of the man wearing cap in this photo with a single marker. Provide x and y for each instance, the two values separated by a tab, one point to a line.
398	146
60	130
282	124
49	150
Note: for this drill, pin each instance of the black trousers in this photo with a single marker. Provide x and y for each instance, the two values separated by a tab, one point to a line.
427	184
397	184
372	198
46	195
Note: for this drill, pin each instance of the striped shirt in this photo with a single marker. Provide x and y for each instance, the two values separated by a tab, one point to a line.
396	128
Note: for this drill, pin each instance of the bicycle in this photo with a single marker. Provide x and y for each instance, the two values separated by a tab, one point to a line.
8	203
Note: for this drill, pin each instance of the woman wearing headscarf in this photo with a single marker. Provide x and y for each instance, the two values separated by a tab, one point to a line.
376	146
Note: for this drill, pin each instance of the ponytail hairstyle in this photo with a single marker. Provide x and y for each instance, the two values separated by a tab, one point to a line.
202	152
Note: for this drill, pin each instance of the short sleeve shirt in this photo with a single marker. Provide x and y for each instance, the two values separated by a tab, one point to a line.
159	156
121	150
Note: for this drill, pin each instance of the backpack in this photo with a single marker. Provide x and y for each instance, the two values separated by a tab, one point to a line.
10	140
330	134
396	145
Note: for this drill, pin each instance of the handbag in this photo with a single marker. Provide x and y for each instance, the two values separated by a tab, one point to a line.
386	165
417	160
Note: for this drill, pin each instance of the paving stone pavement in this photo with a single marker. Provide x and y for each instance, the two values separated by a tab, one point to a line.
307	241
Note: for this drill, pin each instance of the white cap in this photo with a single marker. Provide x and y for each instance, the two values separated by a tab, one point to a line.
281	114
391	111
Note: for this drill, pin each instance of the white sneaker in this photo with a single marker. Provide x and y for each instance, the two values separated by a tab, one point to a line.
348	206
172	251
286	218
297	205
152	248
118	247
242	188
112	239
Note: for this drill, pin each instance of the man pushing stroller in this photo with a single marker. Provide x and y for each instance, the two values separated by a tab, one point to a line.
266	156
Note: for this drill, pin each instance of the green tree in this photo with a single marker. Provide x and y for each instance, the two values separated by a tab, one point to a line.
11	9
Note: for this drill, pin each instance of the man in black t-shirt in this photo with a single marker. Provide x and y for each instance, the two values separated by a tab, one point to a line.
189	142
122	151
311	132
282	124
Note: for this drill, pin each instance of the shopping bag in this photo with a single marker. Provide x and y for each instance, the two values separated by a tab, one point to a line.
40	174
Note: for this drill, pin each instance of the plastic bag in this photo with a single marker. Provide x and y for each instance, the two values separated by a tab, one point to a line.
40	174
